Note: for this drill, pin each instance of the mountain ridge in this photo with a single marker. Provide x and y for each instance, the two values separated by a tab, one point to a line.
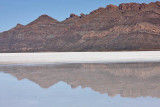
122	6
127	27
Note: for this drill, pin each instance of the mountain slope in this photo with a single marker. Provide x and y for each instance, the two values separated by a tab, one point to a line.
130	26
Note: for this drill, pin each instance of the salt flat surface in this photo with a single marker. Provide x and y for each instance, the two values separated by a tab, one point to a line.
79	57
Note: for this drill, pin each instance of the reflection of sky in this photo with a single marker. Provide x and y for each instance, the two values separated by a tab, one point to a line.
25	11
24	93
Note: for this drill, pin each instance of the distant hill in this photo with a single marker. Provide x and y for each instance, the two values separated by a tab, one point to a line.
127	27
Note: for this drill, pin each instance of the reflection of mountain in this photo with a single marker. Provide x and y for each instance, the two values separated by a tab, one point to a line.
128	80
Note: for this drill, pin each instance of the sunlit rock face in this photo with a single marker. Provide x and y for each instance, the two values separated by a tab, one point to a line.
129	26
128	80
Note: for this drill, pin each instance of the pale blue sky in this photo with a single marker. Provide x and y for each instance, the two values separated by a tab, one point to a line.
25	11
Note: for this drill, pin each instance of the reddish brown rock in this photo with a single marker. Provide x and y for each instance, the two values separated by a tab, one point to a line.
43	19
130	6
129	26
82	15
143	5
98	10
73	15
158	3
18	26
111	7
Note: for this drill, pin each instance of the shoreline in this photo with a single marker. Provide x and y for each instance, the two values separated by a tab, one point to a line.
79	57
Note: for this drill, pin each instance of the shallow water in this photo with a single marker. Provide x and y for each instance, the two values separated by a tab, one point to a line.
80	85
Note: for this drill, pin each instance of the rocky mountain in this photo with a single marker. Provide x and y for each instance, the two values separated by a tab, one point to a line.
130	26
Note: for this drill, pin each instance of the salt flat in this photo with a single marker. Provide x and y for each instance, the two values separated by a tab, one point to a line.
79	57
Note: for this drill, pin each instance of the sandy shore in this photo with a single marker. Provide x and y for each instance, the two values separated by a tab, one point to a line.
79	57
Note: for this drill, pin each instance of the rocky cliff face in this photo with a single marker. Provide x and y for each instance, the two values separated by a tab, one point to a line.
130	26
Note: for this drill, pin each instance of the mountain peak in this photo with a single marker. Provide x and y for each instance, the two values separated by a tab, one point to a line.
130	6
18	26
158	2
112	7
44	19
137	6
154	4
73	16
82	15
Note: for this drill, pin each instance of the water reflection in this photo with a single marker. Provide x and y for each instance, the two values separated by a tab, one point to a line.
127	80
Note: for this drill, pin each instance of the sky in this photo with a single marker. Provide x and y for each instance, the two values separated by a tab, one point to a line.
23	12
